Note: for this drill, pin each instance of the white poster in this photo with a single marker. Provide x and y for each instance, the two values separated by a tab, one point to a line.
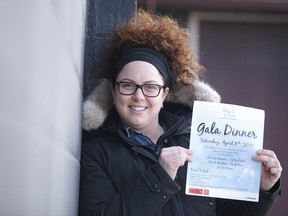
224	137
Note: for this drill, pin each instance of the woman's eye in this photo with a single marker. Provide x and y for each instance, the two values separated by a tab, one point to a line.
127	85
152	86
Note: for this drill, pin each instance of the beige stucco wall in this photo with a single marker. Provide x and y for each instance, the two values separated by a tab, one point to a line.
41	55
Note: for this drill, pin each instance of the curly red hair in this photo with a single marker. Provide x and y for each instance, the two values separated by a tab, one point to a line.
163	34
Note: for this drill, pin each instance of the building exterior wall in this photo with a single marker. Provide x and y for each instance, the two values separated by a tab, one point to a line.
41	66
280	6
245	58
103	18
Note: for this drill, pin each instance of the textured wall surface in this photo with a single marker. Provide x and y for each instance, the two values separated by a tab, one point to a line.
103	17
41	66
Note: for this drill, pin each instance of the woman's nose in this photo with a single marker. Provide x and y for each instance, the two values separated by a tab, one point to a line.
139	94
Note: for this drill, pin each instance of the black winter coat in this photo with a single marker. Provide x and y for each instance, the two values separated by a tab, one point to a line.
119	177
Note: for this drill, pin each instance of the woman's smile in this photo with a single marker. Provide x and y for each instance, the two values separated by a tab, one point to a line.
138	108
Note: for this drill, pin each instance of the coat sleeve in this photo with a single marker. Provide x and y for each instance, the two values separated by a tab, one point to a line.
99	196
240	208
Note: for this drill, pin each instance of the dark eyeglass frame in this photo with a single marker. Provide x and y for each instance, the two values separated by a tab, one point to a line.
141	87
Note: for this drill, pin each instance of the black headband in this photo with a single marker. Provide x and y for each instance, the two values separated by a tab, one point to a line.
147	55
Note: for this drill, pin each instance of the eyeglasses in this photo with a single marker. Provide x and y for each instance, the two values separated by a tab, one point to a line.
129	88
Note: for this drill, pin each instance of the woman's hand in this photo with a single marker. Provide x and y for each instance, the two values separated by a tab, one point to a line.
172	158
271	168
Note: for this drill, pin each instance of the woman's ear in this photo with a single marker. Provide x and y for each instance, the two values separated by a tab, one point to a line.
166	91
112	88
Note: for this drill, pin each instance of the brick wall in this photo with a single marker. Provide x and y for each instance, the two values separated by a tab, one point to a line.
102	19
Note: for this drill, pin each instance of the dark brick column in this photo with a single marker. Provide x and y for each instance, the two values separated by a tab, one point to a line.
103	16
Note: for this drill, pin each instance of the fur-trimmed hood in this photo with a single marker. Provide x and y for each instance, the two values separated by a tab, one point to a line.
99	102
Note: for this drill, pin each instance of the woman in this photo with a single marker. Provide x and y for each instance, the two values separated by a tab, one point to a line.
134	163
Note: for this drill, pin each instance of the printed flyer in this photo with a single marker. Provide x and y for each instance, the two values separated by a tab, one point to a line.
224	137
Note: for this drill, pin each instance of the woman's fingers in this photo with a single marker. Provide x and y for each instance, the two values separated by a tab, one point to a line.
265	155
271	168
172	158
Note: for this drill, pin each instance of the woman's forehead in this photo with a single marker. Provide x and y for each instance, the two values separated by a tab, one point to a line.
140	70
